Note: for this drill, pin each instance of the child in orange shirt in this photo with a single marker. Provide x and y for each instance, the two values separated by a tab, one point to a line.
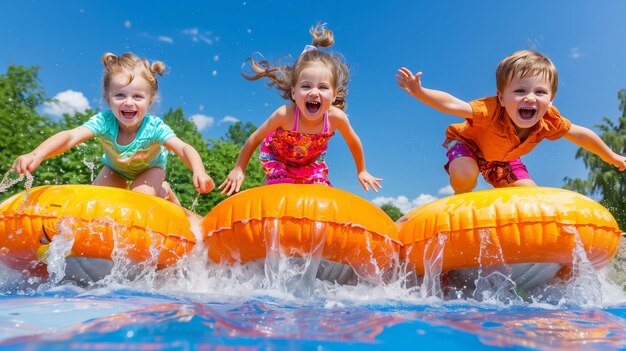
498	130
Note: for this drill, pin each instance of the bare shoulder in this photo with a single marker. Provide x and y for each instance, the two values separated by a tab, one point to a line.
282	117
337	115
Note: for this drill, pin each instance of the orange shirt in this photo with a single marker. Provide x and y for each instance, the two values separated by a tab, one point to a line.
491	135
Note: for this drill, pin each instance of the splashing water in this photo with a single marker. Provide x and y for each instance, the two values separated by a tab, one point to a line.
11	177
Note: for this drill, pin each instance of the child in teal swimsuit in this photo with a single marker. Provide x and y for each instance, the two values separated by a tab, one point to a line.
135	143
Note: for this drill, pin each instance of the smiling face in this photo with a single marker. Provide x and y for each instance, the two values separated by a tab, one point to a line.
526	100
314	93
129	101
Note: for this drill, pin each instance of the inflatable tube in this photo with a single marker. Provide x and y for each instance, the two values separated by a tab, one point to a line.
301	220
99	219
528	224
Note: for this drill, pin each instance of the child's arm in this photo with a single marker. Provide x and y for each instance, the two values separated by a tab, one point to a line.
53	146
235	178
340	120
436	99
589	140
190	156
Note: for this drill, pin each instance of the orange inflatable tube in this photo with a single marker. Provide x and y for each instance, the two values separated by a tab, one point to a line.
99	218
529	224
299	220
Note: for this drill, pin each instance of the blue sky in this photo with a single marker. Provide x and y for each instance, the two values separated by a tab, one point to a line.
457	44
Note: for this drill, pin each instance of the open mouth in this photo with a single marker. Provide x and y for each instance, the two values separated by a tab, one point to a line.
313	107
527	112
129	114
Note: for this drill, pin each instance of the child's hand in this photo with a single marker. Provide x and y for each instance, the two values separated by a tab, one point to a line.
203	182
368	180
409	82
27	163
618	161
233	182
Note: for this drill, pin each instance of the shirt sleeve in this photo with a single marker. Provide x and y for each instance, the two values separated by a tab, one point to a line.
482	109
96	124
163	131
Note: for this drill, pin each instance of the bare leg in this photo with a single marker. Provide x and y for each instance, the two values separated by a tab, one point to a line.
150	182
463	174
109	177
168	194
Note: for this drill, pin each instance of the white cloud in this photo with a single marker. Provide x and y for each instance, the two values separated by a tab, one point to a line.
197	36
127	24
68	101
229	119
202	122
575	53
446	190
165	39
403	203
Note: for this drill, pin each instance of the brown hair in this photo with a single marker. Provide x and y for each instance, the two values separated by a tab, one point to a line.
526	63
131	64
285	77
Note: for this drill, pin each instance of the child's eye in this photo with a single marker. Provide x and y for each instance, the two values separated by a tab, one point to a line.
519	91
138	97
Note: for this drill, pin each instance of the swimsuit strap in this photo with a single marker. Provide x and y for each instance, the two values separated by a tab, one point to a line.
295	119
326	126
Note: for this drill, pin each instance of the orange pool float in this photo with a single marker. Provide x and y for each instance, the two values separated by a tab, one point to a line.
528	224
301	220
98	218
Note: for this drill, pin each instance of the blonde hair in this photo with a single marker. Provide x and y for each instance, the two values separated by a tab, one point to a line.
284	78
131	64
525	63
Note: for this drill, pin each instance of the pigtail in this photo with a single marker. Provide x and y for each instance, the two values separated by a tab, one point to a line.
322	37
108	60
158	67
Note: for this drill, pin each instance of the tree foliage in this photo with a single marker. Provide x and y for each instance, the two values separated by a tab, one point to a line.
604	180
392	211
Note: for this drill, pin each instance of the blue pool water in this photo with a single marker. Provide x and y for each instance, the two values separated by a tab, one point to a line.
237	308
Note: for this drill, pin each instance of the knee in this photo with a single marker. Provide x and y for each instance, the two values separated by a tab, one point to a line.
463	184
145	189
463	175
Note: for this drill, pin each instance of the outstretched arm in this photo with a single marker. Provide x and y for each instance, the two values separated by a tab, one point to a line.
589	140
235	178
53	146
439	100
190	156
340	120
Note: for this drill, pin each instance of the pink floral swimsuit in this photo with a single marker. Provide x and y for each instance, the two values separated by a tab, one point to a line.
291	157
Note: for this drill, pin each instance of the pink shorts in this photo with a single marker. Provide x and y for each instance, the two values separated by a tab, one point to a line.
496	173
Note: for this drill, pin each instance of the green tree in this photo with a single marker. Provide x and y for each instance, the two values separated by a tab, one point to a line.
22	127
392	211
224	153
79	165
604	179
178	174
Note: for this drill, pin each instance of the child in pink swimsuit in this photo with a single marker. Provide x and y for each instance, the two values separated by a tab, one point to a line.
295	137
289	156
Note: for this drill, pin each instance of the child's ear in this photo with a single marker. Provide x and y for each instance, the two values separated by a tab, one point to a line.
500	98
293	95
